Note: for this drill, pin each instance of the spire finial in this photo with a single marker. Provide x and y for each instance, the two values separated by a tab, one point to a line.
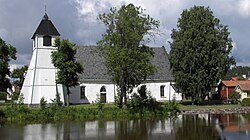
45	8
45	17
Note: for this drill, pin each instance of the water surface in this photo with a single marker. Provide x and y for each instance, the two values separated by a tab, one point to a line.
184	127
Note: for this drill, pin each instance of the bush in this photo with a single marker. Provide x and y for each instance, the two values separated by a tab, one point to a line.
171	106
43	103
142	101
99	102
245	102
235	98
3	95
15	96
57	101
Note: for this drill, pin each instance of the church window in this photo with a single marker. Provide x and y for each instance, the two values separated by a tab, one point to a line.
103	89
46	40
103	98
162	90
82	92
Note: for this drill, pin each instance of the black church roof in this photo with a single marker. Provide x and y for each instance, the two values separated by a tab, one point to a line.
46	27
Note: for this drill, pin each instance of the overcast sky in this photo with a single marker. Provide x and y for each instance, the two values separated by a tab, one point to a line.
77	21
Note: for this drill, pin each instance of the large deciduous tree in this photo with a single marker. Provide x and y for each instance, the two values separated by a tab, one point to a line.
64	60
126	56
18	74
7	52
200	51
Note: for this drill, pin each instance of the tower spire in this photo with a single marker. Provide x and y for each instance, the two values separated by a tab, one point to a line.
45	7
45	17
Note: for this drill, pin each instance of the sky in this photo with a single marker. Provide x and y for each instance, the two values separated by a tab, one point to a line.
77	21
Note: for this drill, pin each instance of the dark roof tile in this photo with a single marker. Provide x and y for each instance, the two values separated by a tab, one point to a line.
95	69
46	27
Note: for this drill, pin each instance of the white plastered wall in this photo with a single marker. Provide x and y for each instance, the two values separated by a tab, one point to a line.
40	80
92	91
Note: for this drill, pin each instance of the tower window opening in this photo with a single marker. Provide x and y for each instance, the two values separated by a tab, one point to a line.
47	41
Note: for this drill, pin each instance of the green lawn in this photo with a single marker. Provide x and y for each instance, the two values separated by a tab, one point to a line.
93	106
182	107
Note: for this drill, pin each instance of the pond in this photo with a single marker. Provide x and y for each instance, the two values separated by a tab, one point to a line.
183	127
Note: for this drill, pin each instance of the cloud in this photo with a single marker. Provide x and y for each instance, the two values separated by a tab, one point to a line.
77	21
244	8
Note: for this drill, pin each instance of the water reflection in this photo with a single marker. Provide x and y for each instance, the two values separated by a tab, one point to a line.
198	127
187	127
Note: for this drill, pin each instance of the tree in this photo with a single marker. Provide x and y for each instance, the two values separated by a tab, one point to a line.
235	97
237	71
64	60
18	74
123	45
200	52
7	52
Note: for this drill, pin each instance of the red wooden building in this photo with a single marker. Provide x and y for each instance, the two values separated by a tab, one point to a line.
227	87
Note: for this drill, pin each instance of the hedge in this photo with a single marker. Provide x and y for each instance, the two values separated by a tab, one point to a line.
245	102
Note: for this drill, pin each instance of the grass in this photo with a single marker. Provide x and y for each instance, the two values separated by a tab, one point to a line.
92	106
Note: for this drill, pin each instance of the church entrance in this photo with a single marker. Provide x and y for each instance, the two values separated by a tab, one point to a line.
103	94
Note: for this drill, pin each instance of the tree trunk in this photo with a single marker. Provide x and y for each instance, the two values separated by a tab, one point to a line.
68	92
123	94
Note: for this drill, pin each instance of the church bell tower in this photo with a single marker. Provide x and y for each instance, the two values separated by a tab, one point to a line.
40	80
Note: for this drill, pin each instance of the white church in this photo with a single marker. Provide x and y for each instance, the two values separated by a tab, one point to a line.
94	82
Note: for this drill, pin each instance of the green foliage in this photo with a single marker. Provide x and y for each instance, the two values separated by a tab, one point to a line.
3	95
15	96
99	102
56	102
200	52
117	99
123	45
43	103
7	52
18	75
64	60
171	106
241	78
237	71
235	97
245	102
17	111
21	99
21	113
142	101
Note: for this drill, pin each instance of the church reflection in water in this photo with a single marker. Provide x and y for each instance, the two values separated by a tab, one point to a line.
183	127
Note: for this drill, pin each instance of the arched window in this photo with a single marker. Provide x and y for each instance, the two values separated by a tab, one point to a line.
103	89
103	94
46	40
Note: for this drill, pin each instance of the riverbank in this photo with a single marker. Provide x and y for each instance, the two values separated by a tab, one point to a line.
21	113
221	109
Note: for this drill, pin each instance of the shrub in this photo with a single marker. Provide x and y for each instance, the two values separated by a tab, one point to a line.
43	103
245	102
15	96
171	106
57	101
142	101
99	102
235	97
3	95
